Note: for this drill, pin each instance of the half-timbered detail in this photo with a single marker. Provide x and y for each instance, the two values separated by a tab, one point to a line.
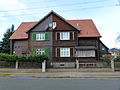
63	41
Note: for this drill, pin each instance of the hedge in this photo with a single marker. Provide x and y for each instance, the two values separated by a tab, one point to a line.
118	58
23	58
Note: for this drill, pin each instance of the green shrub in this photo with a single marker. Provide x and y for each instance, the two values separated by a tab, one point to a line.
118	58
22	58
106	58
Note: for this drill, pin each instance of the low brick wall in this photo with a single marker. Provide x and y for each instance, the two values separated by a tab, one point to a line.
8	70
81	70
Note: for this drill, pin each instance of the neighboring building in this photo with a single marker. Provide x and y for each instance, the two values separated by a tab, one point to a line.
63	41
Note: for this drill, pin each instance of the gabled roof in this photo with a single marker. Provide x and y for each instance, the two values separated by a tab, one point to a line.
86	27
52	12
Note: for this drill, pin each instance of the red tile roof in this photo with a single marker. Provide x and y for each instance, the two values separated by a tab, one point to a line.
20	33
87	29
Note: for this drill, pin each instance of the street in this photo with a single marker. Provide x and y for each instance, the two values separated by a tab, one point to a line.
8	83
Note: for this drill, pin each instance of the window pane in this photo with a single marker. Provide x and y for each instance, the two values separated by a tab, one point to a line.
64	35
65	52
40	36
90	53
40	51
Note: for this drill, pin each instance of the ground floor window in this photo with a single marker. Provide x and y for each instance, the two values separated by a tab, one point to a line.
85	53
64	52
40	51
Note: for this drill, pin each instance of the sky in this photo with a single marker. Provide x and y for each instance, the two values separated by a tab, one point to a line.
104	13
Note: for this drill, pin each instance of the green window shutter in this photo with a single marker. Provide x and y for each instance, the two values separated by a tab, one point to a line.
34	50
47	51
33	36
47	36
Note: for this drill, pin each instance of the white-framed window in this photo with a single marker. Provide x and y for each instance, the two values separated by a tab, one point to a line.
86	53
64	35
40	51
64	52
40	36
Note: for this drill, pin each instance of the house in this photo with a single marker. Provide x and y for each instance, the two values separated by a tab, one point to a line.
63	41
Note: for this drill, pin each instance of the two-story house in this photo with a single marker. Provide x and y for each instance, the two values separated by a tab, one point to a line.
63	41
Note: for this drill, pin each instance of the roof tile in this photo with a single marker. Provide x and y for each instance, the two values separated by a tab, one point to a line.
87	29
20	33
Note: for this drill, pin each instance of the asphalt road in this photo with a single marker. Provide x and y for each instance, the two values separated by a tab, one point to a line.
8	83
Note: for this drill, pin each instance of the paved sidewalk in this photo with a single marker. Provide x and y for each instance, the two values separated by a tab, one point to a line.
64	75
60	73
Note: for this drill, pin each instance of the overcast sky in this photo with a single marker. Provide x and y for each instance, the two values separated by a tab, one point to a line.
105	14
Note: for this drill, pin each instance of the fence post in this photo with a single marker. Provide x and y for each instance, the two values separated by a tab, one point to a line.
77	64
16	64
112	65
44	66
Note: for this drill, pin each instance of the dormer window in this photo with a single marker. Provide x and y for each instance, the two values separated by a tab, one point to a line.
78	24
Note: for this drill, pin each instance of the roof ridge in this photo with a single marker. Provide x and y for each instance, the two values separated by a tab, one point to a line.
67	20
29	22
80	19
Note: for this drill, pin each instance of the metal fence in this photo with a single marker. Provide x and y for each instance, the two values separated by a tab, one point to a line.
117	65
97	64
24	65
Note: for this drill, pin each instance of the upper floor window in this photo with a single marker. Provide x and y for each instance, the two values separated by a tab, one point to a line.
64	35
40	36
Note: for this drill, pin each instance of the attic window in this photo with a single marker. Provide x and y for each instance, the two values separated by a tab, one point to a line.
103	48
52	25
78	24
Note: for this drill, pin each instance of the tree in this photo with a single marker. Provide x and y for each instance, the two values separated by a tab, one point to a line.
118	51
5	41
118	38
